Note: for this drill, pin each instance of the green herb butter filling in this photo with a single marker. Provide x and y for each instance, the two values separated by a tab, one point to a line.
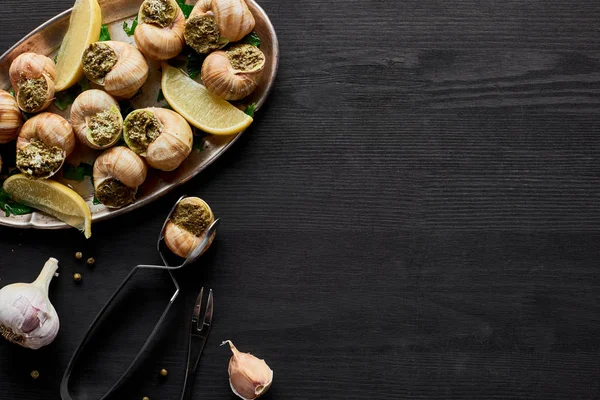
39	160
158	12
98	60
105	127
141	128
245	57
202	34
33	93
194	218
114	193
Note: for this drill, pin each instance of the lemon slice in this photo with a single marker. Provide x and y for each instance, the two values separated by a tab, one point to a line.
198	106
52	198
84	28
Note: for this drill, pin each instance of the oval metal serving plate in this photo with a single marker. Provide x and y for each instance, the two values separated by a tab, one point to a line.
46	40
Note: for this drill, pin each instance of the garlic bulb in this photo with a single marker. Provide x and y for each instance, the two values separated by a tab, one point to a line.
233	18
234	73
96	119
162	136
32	76
201	31
249	376
27	317
159	34
10	117
187	224
118	67
43	144
118	172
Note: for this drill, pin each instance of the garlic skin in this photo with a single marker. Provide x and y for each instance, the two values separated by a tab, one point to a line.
32	77
118	172
234	18
163	137
27	317
54	132
96	109
10	117
235	73
249	376
118	67
160	42
181	240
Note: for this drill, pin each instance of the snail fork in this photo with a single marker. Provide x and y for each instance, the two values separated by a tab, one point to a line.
198	335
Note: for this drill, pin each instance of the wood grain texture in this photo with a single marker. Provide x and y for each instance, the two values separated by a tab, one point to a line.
413	214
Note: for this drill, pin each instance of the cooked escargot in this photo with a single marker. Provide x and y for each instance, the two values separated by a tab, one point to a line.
118	67
159	34
96	119
189	221
162	136
10	117
43	144
213	24
118	172
234	73
32	77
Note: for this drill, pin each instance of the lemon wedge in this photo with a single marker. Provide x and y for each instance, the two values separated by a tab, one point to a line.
84	29
200	107
52	198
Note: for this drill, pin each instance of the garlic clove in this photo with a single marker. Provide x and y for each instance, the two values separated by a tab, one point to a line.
249	376
235	73
160	39
10	117
27	317
32	77
43	144
118	172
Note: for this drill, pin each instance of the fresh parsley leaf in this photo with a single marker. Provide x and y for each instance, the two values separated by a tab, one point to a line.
67	97
194	64
12	207
252	38
168	107
198	143
250	109
129	30
161	96
185	8
78	173
55	58
104	34
12	92
95	201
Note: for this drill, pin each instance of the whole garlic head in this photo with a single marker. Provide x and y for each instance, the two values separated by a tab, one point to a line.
249	377
27	317
234	73
32	77
118	172
162	136
10	117
189	221
96	119
159	34
118	67
43	144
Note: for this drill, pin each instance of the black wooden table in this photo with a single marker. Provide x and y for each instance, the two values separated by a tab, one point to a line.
414	214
